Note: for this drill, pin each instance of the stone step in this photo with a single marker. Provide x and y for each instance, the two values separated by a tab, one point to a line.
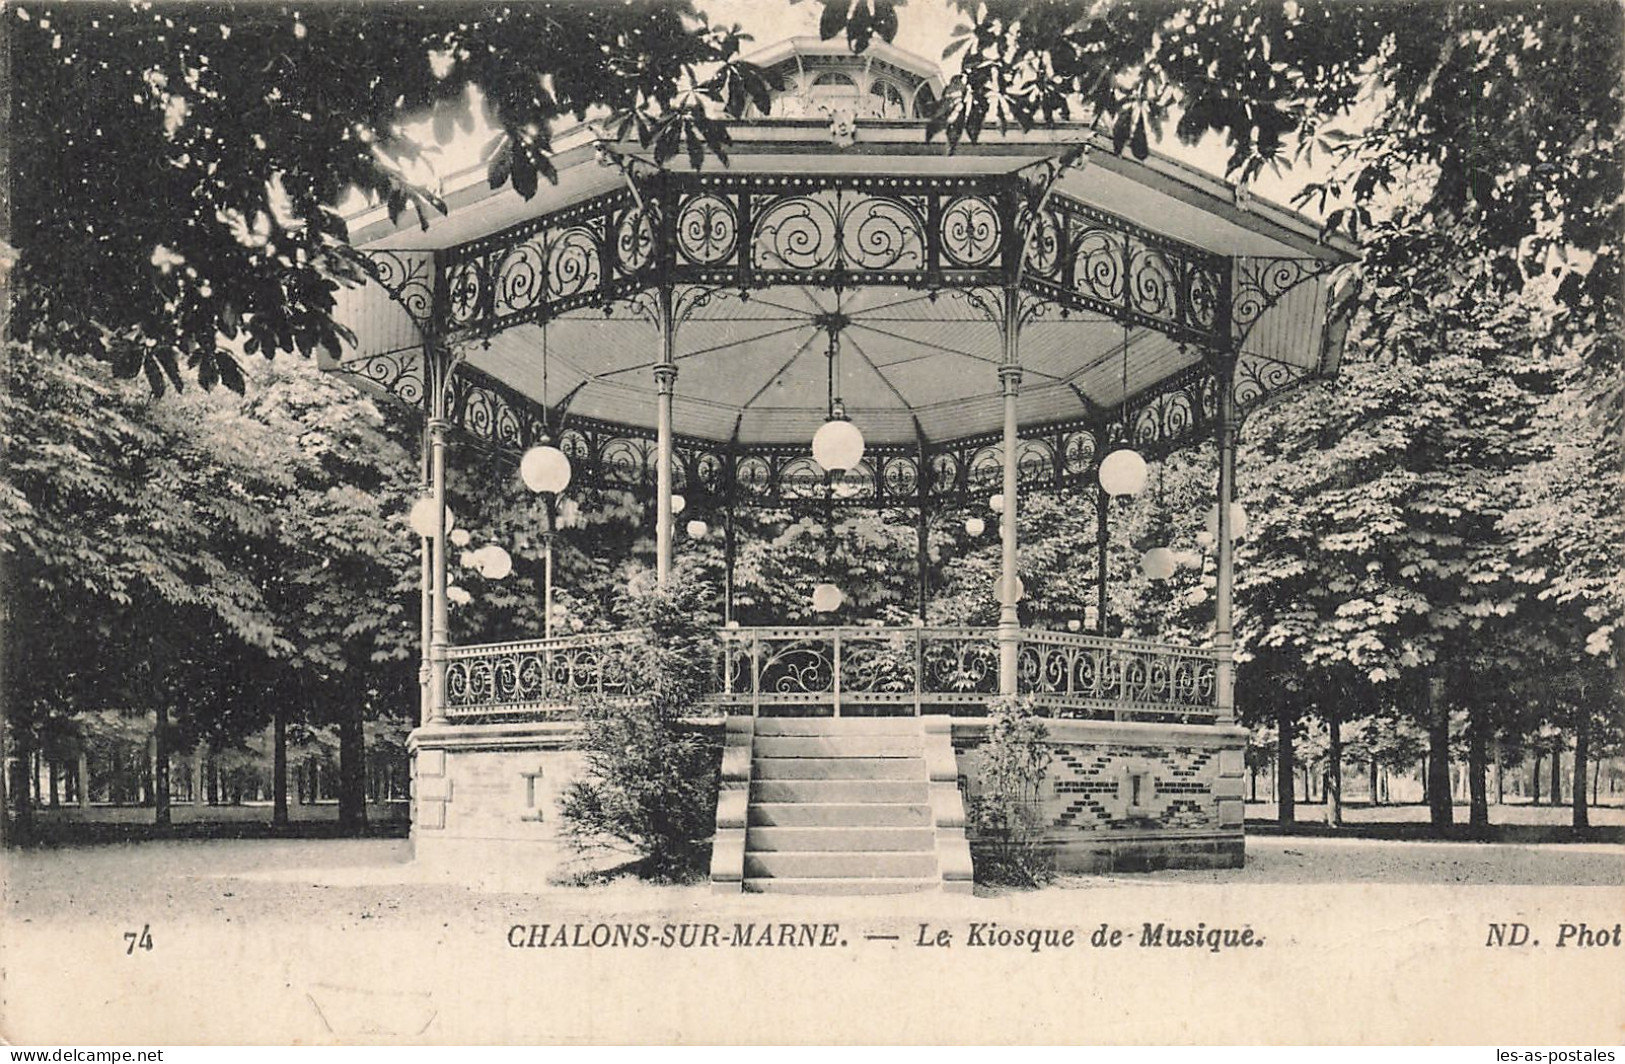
845	839
838	746
873	864
832	885
839	791
838	768
837	726
839	815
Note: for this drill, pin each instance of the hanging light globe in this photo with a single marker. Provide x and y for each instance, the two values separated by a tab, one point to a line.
1238	521
975	526
996	503
459	537
678	504
494	562
1123	472
422	517
837	446
1158	563
827	598
1021	590
545	468
698	529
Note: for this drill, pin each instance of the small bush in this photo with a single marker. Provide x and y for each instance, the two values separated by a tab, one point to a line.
1006	817
650	781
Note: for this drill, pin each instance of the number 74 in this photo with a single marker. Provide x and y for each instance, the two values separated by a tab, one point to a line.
141	939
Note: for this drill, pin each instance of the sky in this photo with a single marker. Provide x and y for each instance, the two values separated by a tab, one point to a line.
925	28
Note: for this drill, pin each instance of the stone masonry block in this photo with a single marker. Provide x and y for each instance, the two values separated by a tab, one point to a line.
433	789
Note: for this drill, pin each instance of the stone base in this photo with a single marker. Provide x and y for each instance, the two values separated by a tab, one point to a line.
1116	797
1130	797
1149	854
485	799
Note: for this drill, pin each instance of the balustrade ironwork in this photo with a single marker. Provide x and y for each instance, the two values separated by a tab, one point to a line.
537	677
1120	679
854	671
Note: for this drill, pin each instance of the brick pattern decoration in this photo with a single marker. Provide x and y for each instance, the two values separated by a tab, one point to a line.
1109	788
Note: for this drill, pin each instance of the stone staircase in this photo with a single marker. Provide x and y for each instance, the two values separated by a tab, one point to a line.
851	805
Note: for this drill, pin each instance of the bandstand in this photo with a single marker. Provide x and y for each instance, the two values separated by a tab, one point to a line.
950	326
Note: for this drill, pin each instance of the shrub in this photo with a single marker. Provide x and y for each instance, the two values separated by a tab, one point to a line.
650	780
1006	817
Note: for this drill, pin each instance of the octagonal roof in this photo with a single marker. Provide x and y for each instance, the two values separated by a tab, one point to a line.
918	350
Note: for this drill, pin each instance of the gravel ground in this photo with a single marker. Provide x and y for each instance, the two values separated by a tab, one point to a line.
1521	813
300	879
348	941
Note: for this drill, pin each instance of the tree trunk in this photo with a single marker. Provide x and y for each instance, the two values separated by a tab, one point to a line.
22	791
279	765
213	768
1252	773
352	769
1596	778
1371	780
1557	776
1441	806
84	780
1334	767
160	765
1500	773
1539	759
1478	805
53	780
1286	801
1582	751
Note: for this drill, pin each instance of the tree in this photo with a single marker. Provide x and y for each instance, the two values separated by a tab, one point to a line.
114	538
1512	112
180	174
650	779
204	556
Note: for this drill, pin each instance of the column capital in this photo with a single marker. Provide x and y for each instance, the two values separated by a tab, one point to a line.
1010	378
665	376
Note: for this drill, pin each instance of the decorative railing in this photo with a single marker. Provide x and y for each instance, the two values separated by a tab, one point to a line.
822	671
1117	679
854	671
538	677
